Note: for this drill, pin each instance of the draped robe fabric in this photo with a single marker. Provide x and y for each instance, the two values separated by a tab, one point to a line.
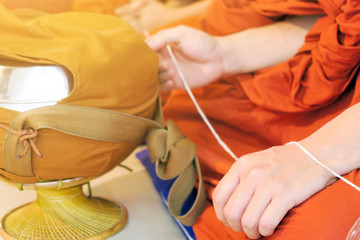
273	106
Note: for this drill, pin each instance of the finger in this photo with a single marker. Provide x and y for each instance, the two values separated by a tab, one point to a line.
166	76
164	37
163	65
166	66
273	215
167	86
232	196
254	211
235	207
223	191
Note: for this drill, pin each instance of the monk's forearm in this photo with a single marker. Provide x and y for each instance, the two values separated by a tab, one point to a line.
337	143
262	47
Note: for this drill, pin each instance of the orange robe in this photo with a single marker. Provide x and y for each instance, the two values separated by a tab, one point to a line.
279	104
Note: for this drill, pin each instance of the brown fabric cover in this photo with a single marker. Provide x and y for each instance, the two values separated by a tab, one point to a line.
112	69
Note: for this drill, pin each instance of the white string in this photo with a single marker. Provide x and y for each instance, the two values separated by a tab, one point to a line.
323	165
203	116
221	142
223	145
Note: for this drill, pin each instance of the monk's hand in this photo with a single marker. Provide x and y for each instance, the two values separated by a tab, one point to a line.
146	15
197	53
260	188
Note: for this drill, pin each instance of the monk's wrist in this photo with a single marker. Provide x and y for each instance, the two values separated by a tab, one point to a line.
230	58
336	143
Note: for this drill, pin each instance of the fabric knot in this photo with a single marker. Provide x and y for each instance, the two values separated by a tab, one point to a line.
173	137
27	137
170	150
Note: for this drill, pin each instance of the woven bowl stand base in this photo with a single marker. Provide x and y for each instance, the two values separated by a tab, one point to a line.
65	214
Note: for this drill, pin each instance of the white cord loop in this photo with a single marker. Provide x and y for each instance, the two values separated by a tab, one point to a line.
324	166
222	143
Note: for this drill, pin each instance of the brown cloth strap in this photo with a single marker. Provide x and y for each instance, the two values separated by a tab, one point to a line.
92	123
175	156
181	188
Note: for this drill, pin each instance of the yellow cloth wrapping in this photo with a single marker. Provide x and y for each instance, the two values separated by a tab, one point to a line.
49	6
112	69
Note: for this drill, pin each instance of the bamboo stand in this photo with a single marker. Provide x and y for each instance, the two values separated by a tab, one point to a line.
63	215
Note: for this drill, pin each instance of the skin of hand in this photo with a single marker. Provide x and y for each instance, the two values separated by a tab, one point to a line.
204	58
260	188
145	14
197	53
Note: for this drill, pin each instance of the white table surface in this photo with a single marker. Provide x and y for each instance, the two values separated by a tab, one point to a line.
147	216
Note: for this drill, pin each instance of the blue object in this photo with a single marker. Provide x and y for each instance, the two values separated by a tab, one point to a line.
163	188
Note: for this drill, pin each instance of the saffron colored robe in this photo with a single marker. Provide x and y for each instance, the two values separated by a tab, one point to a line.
283	103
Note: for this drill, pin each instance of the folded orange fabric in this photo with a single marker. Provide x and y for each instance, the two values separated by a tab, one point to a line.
273	106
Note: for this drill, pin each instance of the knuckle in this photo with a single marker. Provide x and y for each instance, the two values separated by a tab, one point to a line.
249	223
231	215
252	167
216	197
255	172
266	228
